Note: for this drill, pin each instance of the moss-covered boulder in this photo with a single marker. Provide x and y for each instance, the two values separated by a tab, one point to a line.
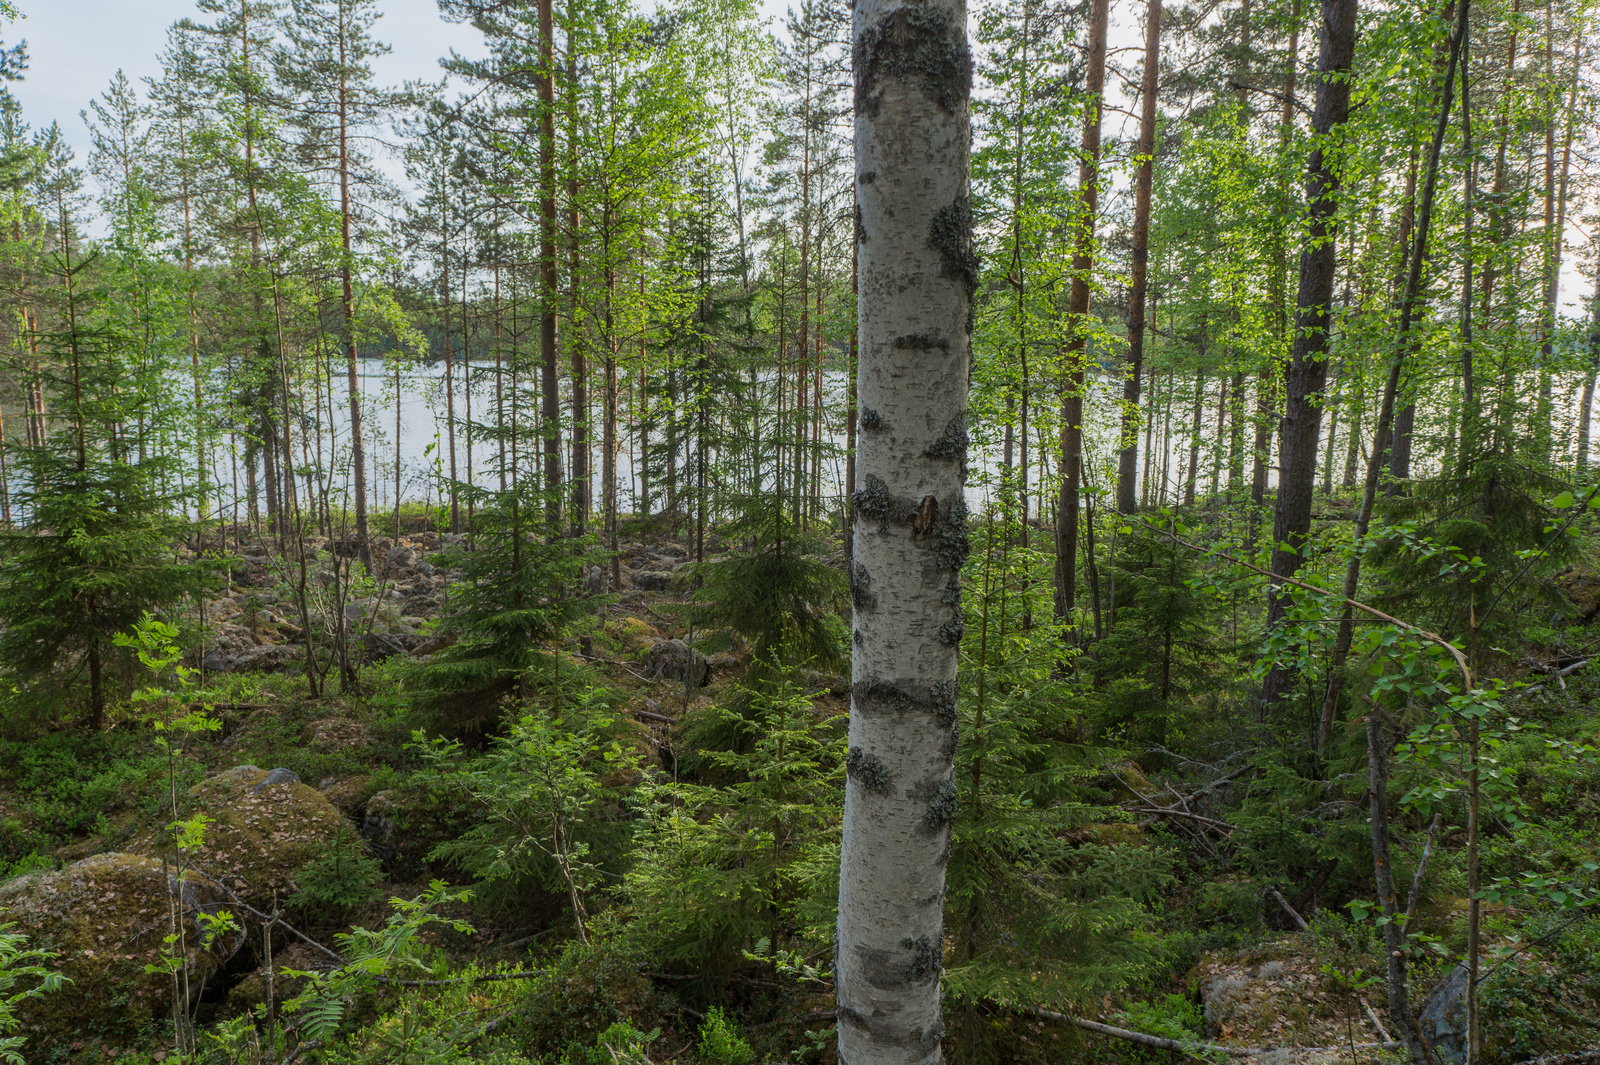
265	827
108	916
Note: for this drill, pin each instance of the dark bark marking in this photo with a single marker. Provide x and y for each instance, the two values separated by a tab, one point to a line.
925	517
952	443
860	588
921	342
950	234
912	43
954	545
867	770
941	799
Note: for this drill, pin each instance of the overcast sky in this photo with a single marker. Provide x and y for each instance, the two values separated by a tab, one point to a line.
75	46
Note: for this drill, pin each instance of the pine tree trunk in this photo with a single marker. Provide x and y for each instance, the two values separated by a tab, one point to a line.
1308	368
1077	312
1128	460
917	277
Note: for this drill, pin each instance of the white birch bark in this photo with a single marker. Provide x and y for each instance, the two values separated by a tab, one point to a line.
913	76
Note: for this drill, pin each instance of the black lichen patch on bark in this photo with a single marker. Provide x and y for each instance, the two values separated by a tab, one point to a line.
861	588
950	632
871	420
874	503
941	806
854	1018
954	544
927	961
878	695
950	234
861	230
922	342
911	42
867	177
867	770
951	596
859	639
952	443
942	693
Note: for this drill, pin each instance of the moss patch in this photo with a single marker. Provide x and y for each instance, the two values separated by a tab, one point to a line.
107	916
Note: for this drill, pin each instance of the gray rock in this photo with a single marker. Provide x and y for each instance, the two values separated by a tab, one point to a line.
277	776
1443	1018
652	580
401	555
676	660
216	662
425	569
238	773
594	581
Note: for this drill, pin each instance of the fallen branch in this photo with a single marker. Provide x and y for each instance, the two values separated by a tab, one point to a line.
1183	1047
1372	1015
484	979
1299	921
1170	811
646	715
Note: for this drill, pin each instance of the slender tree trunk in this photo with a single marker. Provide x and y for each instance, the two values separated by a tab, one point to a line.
1394	933
581	490
1407	345
1308	368
917	278
1077	314
1586	403
1128	459
1193	475
1405	420
1266	379
1499	217
1551	247
1471	414
550	408
358	450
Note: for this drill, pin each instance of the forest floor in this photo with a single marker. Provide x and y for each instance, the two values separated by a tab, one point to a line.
1236	970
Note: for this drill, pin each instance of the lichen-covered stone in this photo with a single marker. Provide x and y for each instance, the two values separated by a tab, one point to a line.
263	831
108	916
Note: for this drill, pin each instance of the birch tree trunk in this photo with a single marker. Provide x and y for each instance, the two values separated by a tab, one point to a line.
917	273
